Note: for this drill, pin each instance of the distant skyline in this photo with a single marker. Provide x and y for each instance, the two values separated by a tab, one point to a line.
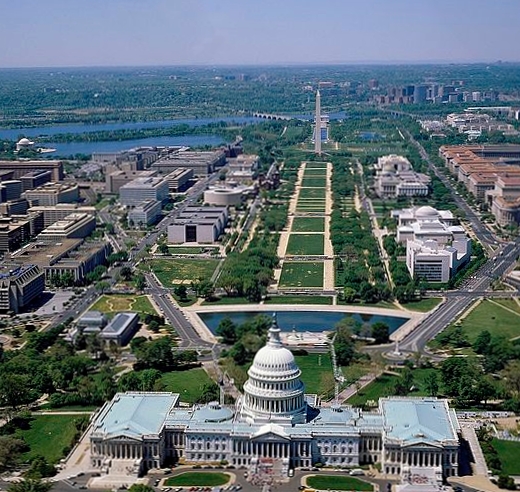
67	33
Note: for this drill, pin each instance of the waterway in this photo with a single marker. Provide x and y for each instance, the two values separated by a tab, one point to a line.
40	131
312	321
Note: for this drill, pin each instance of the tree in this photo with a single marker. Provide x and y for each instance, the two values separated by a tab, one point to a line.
30	485
16	390
181	292
227	330
511	375
126	273
210	392
380	332
162	248
140	281
431	384
10	450
40	468
481	344
139	487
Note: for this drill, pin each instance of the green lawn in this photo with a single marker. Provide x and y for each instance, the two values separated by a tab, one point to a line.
305	244
227	300
337	482
424	305
490	316
112	304
302	274
323	300
316	165
48	435
509	454
188	383
384	385
179	270
308	224
317	375
509	303
201	479
189	250
314	182
312	193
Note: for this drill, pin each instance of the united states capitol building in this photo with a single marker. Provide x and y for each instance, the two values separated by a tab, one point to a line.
274	421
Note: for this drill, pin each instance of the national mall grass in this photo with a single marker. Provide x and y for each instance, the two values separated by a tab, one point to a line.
117	303
509	455
305	244
308	224
302	274
176	271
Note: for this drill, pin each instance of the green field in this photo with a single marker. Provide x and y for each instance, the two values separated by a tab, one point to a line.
302	274
302	207
117	303
424	305
178	270
509	454
317	375
189	250
308	224
492	317
323	300
306	244
312	193
314	182
316	165
44	430
384	385
337	482
201	479
188	383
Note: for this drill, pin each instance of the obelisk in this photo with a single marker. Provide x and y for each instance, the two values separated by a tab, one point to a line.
317	125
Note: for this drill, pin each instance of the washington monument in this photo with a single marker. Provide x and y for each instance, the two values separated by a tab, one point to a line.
317	125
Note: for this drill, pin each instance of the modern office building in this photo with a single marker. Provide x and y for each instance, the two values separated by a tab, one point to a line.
179	180
58	212
13	233
73	226
114	180
198	225
395	177
19	286
14	207
50	194
145	214
201	163
73	256
10	190
274	424
35	179
121	329
142	189
22	167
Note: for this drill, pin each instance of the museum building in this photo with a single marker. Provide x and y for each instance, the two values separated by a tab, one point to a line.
274	420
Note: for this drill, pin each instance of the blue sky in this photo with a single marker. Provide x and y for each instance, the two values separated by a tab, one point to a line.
178	32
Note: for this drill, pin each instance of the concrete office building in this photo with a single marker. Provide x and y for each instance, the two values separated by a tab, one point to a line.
73	256
10	190
201	163
73	226
13	233
198	225
145	214
20	168
121	329
114	180
274	424
242	169
58	212
142	189
395	177
19	286
51	194
35	179
14	207
179	179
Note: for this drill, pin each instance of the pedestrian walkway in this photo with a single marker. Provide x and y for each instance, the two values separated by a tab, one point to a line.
479	465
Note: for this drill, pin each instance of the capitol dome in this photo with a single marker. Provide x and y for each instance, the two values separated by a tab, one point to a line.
274	390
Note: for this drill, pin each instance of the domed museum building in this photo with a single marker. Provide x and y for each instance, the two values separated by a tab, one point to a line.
273	421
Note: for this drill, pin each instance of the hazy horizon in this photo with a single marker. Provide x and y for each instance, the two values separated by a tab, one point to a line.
146	33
